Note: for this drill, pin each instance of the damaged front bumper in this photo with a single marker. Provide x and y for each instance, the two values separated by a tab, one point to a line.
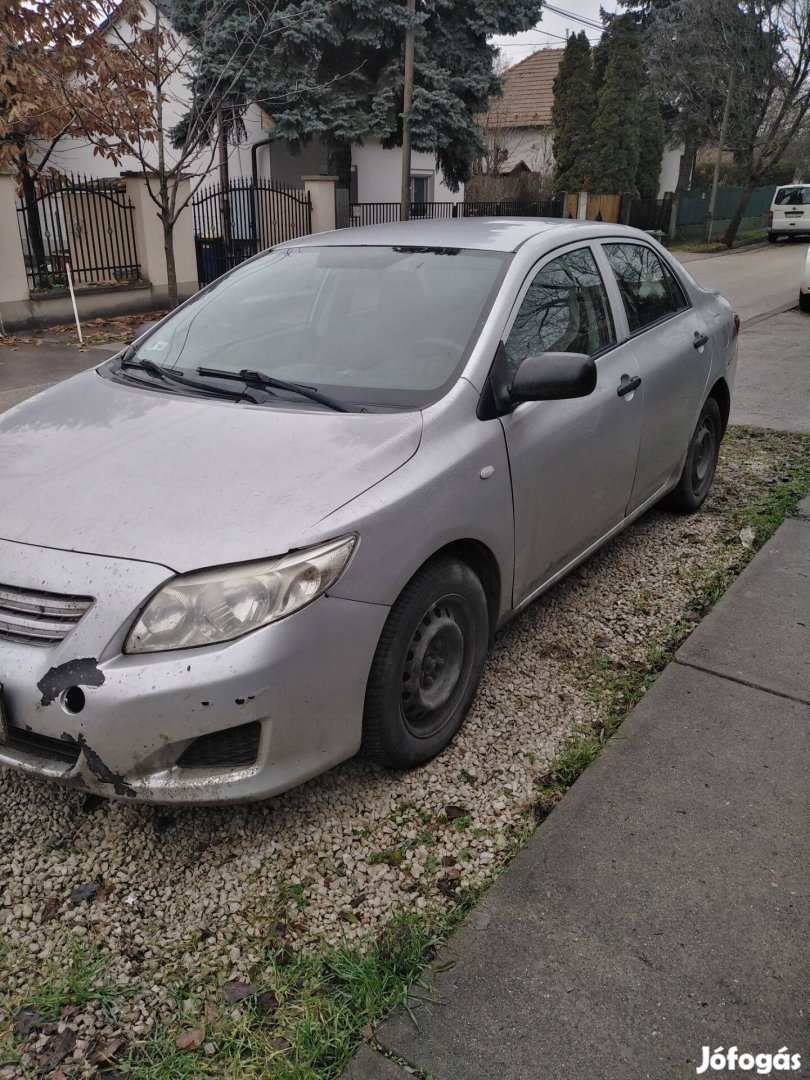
217	724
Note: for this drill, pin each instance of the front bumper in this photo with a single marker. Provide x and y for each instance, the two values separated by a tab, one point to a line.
302	680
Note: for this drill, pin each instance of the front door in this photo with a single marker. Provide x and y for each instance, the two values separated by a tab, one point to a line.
572	462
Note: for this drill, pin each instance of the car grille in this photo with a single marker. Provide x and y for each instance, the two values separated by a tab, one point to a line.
231	747
42	746
38	618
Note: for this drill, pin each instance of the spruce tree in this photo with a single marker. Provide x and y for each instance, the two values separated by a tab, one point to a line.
651	145
616	137
572	115
333	70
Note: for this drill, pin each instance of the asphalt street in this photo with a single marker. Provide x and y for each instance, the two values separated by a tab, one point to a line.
756	280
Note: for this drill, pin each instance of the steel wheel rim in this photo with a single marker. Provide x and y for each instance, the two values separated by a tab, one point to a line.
435	663
703	459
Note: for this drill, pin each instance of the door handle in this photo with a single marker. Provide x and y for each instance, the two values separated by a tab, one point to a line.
699	339
628	385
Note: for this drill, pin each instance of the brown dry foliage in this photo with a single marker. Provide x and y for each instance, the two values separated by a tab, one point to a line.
59	75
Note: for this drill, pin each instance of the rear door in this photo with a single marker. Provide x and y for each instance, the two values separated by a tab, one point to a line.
572	462
672	348
791	209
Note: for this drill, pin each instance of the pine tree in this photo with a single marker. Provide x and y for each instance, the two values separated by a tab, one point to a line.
334	71
651	145
572	115
616	129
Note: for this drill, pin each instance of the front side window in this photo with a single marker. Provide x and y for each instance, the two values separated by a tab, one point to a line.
649	292
387	326
565	309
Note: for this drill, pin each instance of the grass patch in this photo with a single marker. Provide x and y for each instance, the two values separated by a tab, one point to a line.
742	239
311	1014
76	983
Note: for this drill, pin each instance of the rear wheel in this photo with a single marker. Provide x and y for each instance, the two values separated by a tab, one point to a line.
772	238
427	665
804	302
701	462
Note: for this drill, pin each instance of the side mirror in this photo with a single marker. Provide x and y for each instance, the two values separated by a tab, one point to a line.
144	328
553	376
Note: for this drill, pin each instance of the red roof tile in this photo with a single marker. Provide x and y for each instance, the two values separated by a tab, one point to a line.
528	91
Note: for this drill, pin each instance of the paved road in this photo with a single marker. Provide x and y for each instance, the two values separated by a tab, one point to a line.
28	369
754	280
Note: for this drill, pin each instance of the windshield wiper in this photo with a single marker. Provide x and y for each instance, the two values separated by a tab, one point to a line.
166	375
268	382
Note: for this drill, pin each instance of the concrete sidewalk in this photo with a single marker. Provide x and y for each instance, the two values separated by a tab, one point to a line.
663	905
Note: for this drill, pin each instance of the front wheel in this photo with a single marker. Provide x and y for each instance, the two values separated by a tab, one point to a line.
427	665
701	462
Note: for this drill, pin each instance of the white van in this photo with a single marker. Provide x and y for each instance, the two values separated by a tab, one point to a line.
789	214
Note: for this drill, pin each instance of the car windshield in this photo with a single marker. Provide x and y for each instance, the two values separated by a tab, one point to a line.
793	196
390	326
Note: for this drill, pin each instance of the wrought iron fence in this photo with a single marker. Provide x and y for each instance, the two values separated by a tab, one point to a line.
381	213
649	214
543	208
78	220
244	218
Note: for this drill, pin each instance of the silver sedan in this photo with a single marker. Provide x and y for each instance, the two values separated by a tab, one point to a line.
285	524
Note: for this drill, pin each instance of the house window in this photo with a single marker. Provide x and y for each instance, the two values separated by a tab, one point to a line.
420	188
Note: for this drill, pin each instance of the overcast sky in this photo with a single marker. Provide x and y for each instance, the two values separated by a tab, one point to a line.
552	28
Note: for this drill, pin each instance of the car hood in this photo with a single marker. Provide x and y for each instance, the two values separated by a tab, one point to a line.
95	466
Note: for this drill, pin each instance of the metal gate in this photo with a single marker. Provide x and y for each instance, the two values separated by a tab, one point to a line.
244	218
85	222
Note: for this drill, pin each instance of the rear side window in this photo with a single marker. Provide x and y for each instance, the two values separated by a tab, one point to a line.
565	309
793	196
649	289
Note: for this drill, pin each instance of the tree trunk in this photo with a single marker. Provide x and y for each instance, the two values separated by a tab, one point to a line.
687	160
739	212
171	269
36	241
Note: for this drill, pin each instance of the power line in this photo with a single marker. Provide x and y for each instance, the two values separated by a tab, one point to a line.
572	15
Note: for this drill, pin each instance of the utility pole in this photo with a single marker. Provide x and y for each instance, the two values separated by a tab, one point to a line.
407	102
720	147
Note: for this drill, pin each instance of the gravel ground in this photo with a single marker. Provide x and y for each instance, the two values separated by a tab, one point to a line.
189	897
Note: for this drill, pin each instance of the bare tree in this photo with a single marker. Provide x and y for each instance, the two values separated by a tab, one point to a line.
694	49
48	45
175	127
777	109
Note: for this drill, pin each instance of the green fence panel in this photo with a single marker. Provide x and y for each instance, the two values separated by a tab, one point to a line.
693	205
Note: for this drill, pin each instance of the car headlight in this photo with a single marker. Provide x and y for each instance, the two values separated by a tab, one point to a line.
210	606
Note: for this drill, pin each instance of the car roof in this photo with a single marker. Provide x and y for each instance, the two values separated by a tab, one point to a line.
476	233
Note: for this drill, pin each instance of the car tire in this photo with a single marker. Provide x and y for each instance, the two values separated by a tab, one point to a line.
804	302
701	462
427	665
772	238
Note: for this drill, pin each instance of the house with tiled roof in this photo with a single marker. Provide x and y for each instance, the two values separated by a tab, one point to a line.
518	123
